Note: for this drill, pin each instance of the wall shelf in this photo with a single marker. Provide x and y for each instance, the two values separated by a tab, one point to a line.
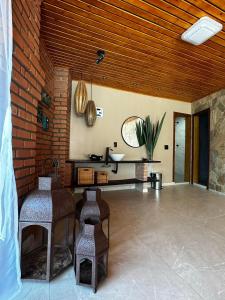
116	182
88	161
75	163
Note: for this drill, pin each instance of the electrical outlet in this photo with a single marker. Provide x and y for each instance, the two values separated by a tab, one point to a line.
166	147
115	144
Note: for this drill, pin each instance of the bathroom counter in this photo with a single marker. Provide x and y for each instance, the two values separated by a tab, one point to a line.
88	161
77	162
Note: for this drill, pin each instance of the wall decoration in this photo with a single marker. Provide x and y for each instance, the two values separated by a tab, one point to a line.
90	113
43	119
148	134
39	114
128	131
45	98
80	98
45	123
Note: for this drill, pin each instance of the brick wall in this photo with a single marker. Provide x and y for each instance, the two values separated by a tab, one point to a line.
44	138
61	121
28	78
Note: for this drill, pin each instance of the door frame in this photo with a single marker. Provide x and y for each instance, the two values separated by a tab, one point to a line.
192	155
175	115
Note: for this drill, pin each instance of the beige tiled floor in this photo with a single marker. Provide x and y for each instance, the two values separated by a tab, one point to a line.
164	246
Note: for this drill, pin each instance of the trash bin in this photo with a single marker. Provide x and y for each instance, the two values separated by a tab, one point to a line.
156	180
152	176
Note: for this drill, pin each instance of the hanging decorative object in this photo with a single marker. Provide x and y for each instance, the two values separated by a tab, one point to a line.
42	118
45	98
39	114
80	98
45	123
90	112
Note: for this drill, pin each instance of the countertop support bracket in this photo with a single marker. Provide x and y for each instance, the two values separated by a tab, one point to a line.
116	168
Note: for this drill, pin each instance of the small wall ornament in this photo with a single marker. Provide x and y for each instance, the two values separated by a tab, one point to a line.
42	118
45	98
80	98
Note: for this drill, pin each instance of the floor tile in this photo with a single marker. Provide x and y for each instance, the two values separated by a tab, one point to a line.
168	245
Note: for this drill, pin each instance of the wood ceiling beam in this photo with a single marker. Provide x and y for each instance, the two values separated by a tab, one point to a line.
199	11
156	92
111	49
160	69
91	68
62	18
129	16
219	4
170	82
149	88
160	12
142	40
113	64
90	7
208	8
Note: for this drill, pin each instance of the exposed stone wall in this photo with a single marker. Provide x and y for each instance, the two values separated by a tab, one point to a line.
216	103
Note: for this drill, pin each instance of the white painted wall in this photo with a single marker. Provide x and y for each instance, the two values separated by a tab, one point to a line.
119	105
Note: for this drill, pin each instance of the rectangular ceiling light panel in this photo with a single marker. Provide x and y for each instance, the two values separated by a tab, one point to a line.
201	31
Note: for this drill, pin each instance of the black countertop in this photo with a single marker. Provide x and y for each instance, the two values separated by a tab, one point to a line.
88	161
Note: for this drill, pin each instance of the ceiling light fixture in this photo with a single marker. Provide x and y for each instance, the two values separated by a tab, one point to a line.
101	55
201	31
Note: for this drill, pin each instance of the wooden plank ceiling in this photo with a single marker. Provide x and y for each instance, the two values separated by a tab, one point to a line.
144	51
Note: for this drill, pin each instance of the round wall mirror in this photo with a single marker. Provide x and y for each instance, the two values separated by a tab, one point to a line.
128	131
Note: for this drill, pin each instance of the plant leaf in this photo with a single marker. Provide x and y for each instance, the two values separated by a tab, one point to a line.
159	127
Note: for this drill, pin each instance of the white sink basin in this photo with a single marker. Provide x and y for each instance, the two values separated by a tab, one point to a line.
117	156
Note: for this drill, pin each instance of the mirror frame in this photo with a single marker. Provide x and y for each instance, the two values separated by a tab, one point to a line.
122	130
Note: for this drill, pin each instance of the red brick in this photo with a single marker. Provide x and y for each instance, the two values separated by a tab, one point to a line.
17	143
32	71
21	56
18	163
29	162
22	173
14	110
24	94
21	133
25	153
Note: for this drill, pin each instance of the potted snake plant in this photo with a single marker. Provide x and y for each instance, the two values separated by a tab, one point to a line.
148	134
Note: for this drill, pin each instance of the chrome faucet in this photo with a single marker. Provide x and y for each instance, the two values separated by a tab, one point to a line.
107	155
